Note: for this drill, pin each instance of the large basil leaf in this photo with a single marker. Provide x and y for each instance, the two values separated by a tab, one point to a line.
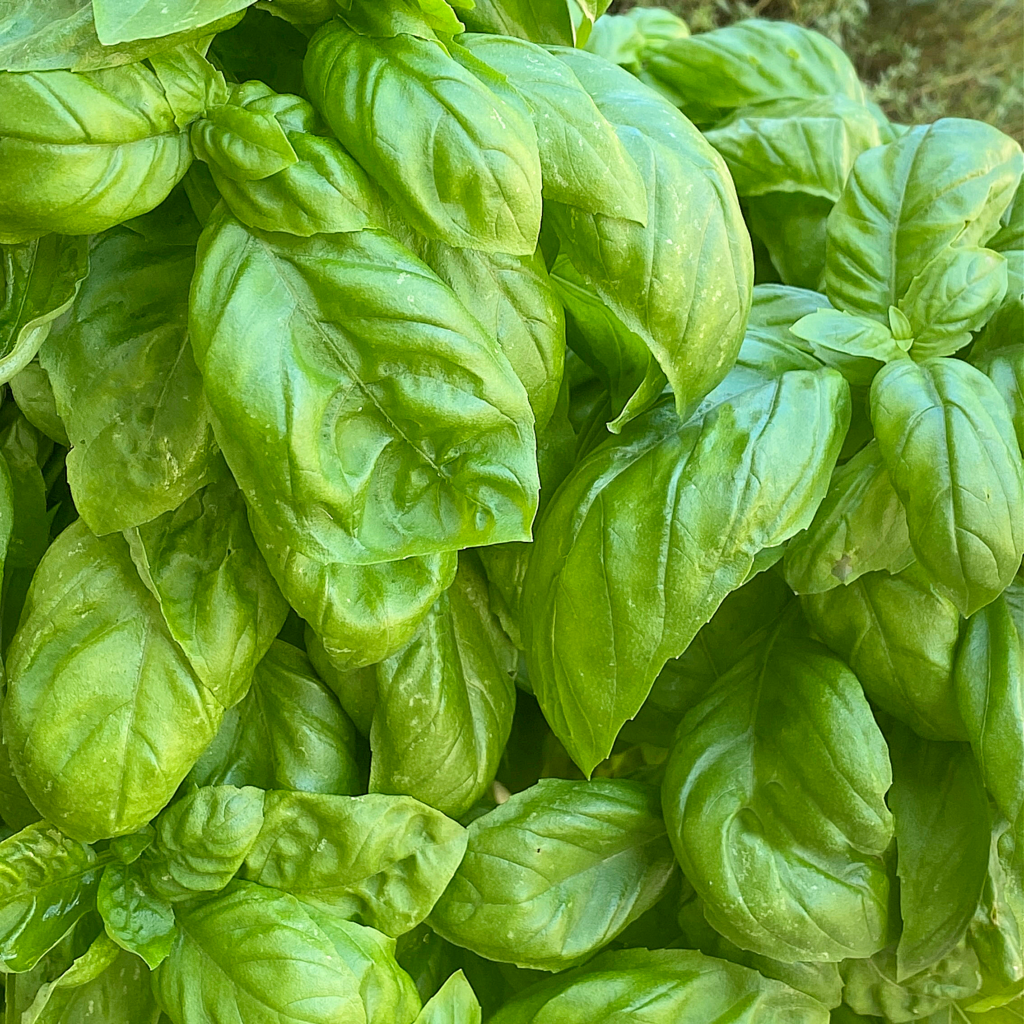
61	34
217	596
687	302
341	458
40	280
774	795
117	22
127	387
941	816
795	145
989	681
104	715
662	986
860	527
753	61
556	872
948	443
445	702
202	840
515	300
650	532
583	162
942	184
457	155
899	636
83	152
384	860
47	882
288	732
278	968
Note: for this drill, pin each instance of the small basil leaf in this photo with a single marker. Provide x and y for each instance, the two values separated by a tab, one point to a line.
136	918
454	1002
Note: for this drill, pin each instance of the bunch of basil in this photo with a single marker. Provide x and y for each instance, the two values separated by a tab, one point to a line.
505	511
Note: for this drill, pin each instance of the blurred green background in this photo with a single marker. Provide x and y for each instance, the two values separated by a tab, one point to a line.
923	59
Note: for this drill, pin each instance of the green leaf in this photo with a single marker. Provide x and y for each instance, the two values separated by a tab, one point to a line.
355	688
62	34
340	458
47	882
872	988
118	21
899	635
989	682
203	839
515	300
1011	226
948	443
795	145
753	61
664	986
240	143
454	1003
857	346
792	227
583	162
790	716
458	158
776	307
127	387
136	917
34	395
597	631
859	528
384	860
955	294
40	281
556	872
938	185
24	450
687	301
541	21
104	716
279	967
288	732
942	841
84	152
216	594
445	702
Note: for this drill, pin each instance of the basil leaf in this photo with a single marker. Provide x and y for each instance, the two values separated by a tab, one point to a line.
556	872
434	458
138	919
144	711
445	702
288	732
753	854
888	223
688	304
47	882
989	682
117	22
280	967
948	443
665	985
384	860
83	152
458	159
542	21
454	1001
591	678
127	387
860	527
899	635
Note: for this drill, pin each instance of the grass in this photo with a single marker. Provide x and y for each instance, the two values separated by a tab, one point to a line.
922	60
